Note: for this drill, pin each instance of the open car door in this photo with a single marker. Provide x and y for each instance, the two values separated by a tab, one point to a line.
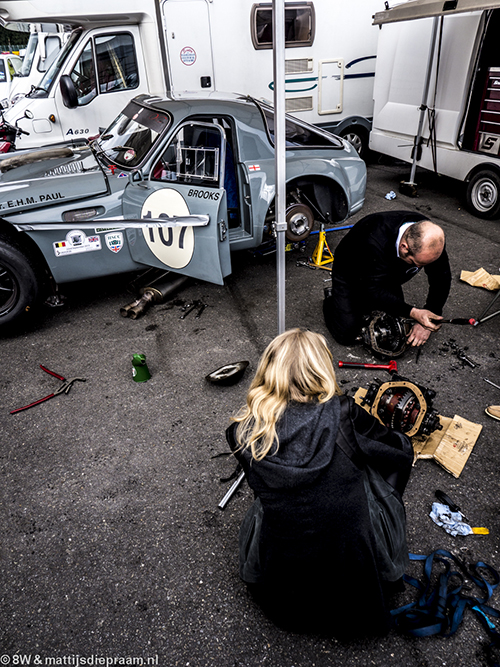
184	181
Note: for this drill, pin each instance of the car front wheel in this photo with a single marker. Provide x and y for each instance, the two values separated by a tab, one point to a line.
19	286
483	194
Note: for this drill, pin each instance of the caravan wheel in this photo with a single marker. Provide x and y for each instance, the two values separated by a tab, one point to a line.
483	194
357	137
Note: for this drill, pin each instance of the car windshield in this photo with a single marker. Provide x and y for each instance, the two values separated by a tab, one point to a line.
131	136
49	76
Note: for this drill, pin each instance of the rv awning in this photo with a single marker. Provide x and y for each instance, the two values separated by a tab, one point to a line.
419	9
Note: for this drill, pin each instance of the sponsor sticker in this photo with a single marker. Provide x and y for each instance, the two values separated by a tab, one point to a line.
75	242
188	55
114	241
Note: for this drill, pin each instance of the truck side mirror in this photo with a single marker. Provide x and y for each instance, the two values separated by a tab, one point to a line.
68	92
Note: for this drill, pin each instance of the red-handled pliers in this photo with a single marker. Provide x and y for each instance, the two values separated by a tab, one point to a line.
63	389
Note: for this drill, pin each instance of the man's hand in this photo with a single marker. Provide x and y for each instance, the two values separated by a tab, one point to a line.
421	330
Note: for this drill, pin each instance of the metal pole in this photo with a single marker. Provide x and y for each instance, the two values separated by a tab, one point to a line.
280	152
423	107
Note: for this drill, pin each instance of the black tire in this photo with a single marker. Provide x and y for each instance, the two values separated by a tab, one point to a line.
19	285
358	138
483	194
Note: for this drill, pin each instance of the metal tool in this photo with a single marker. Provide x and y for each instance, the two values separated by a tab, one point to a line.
482	317
446	500
63	389
463	357
232	490
392	366
458	320
492	383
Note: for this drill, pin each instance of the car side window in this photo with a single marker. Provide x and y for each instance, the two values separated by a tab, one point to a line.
83	76
116	62
192	156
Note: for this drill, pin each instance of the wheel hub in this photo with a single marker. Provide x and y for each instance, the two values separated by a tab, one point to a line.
300	221
9	290
485	195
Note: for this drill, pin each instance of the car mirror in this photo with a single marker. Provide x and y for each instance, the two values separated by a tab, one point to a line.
137	177
68	92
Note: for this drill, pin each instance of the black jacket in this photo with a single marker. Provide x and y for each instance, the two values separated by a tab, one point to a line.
366	259
316	540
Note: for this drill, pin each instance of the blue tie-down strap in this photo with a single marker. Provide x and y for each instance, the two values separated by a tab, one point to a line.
441	601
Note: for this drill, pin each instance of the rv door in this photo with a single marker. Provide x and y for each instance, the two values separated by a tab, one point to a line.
189	44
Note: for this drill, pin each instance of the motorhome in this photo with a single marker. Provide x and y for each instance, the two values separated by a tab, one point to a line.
122	48
437	93
45	42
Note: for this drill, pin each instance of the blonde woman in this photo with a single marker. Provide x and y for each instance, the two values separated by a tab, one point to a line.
307	545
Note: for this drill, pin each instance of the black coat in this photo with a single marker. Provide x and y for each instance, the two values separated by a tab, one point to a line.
316	541
366	259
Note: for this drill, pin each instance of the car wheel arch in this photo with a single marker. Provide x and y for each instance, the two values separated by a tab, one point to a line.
325	196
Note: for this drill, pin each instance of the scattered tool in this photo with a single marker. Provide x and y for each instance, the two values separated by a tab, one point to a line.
446	500
463	357
446	521
63	389
482	317
190	306
492	383
232	491
392	366
458	320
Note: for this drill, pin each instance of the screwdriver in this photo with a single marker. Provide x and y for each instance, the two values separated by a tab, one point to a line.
446	500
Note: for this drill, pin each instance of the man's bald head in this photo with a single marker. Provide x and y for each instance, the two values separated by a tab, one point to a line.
422	243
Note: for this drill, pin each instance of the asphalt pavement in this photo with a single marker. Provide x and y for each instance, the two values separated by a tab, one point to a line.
113	547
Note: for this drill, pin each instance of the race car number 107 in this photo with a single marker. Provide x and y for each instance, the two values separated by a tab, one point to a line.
173	246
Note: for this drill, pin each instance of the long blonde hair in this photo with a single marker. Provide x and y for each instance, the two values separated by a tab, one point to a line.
296	366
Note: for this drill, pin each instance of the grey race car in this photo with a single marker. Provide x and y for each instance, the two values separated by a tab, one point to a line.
170	184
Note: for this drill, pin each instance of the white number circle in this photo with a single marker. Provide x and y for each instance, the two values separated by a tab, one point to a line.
174	246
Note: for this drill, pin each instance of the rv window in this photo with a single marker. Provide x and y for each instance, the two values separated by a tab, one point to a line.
193	156
299	25
116	62
297	135
83	76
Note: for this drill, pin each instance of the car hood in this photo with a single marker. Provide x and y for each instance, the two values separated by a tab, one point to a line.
38	178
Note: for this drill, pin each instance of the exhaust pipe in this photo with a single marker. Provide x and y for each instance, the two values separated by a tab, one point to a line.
151	295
